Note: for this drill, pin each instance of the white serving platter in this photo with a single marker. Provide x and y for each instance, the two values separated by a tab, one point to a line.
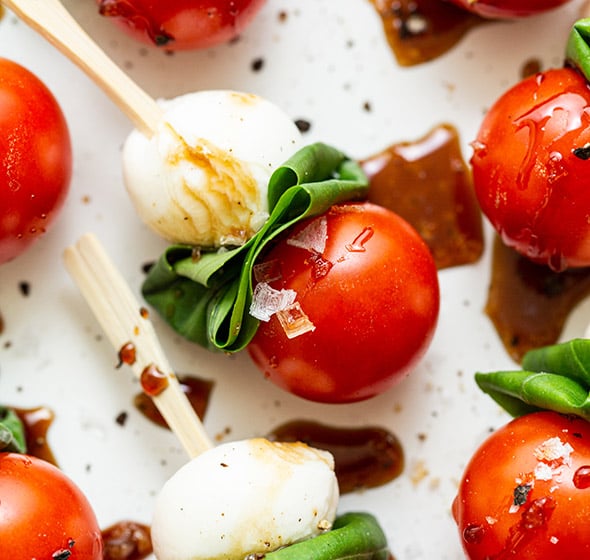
322	63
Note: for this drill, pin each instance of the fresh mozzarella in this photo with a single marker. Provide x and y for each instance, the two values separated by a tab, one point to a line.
246	497
202	178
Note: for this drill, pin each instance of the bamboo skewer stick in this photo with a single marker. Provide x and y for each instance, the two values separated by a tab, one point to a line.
125	322
51	20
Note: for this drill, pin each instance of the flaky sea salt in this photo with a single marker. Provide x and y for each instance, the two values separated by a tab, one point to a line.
313	237
554	451
267	271
266	301
294	321
543	471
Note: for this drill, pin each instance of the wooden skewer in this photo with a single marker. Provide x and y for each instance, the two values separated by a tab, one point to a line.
50	19
125	322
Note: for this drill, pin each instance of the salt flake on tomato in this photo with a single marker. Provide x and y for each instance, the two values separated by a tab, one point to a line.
313	237
267	271
294	321
266	301
543	471
554	451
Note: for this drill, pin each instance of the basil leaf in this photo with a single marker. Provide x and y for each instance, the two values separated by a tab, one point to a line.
205	295
571	359
521	392
354	536
578	46
12	431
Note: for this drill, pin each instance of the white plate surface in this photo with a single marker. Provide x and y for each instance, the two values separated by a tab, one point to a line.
322	64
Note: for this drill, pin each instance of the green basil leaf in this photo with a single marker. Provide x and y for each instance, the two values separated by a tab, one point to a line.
354	536
571	359
521	392
12	431
206	295
578	46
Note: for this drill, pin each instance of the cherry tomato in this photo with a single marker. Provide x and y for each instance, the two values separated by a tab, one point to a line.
35	159
43	514
531	168
526	491
368	285
182	24
506	9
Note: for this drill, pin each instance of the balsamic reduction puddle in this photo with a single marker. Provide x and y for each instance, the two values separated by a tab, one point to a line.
529	303
127	540
364	457
421	30
36	422
428	183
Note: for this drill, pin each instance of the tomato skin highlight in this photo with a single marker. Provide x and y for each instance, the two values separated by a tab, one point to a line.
177	25
508	9
530	179
374	308
35	159
42	512
554	514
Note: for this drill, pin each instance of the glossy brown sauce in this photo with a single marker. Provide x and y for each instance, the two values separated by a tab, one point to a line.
36	422
428	183
421	30
364	457
197	390
126	540
528	303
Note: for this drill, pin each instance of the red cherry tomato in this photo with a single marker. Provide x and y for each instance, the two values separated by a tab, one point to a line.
371	295
506	9
43	514
35	159
531	169
182	24
526	492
